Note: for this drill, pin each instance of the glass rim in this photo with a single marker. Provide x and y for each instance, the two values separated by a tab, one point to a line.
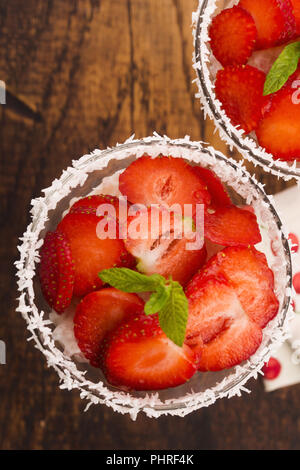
180	405
276	167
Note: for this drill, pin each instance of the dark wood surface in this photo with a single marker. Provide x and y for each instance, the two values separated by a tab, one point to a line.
83	74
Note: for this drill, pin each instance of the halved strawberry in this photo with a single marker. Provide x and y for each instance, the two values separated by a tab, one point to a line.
240	90
163	180
231	226
90	253
98	314
139	356
235	344
233	34
274	21
215	187
279	129
56	271
296	13
165	244
217	319
247	271
90	204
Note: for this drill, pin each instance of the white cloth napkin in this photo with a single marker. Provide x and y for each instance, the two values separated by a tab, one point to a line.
288	204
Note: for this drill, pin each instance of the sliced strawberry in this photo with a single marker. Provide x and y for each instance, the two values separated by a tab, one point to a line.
231	226
235	344
163	180
139	356
274	21
233	35
215	187
56	271
296	13
240	90
278	131
217	319
211	307
90	204
158	248
99	313
247	271
91	254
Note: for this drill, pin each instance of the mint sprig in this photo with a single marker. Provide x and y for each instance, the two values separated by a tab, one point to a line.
167	298
285	65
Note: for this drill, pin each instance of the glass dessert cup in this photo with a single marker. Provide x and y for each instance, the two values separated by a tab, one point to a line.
206	67
79	181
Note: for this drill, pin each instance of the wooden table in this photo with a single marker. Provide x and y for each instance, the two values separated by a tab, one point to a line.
84	74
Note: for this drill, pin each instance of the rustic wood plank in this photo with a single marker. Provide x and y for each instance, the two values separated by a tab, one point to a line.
95	71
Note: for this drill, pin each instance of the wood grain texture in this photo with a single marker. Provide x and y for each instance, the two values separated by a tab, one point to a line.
90	73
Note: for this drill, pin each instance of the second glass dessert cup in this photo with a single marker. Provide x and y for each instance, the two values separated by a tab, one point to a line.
206	67
79	181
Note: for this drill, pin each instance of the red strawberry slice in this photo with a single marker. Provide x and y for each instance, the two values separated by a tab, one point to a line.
90	253
278	131
247	271
90	204
98	314
271	369
159	251
139	356
231	226
212	306
296	13
215	187
233	35
240	90
274	21
56	271
163	180
235	344
217	318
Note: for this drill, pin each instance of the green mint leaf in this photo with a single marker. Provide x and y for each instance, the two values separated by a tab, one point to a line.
174	314
168	298
128	280
283	68
158	300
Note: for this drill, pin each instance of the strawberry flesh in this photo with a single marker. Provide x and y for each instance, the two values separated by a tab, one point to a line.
231	226
248	273
274	21
99	313
91	254
138	355
56	271
215	187
233	35
296	13
235	344
279	129
240	90
164	181
159	251
217	318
